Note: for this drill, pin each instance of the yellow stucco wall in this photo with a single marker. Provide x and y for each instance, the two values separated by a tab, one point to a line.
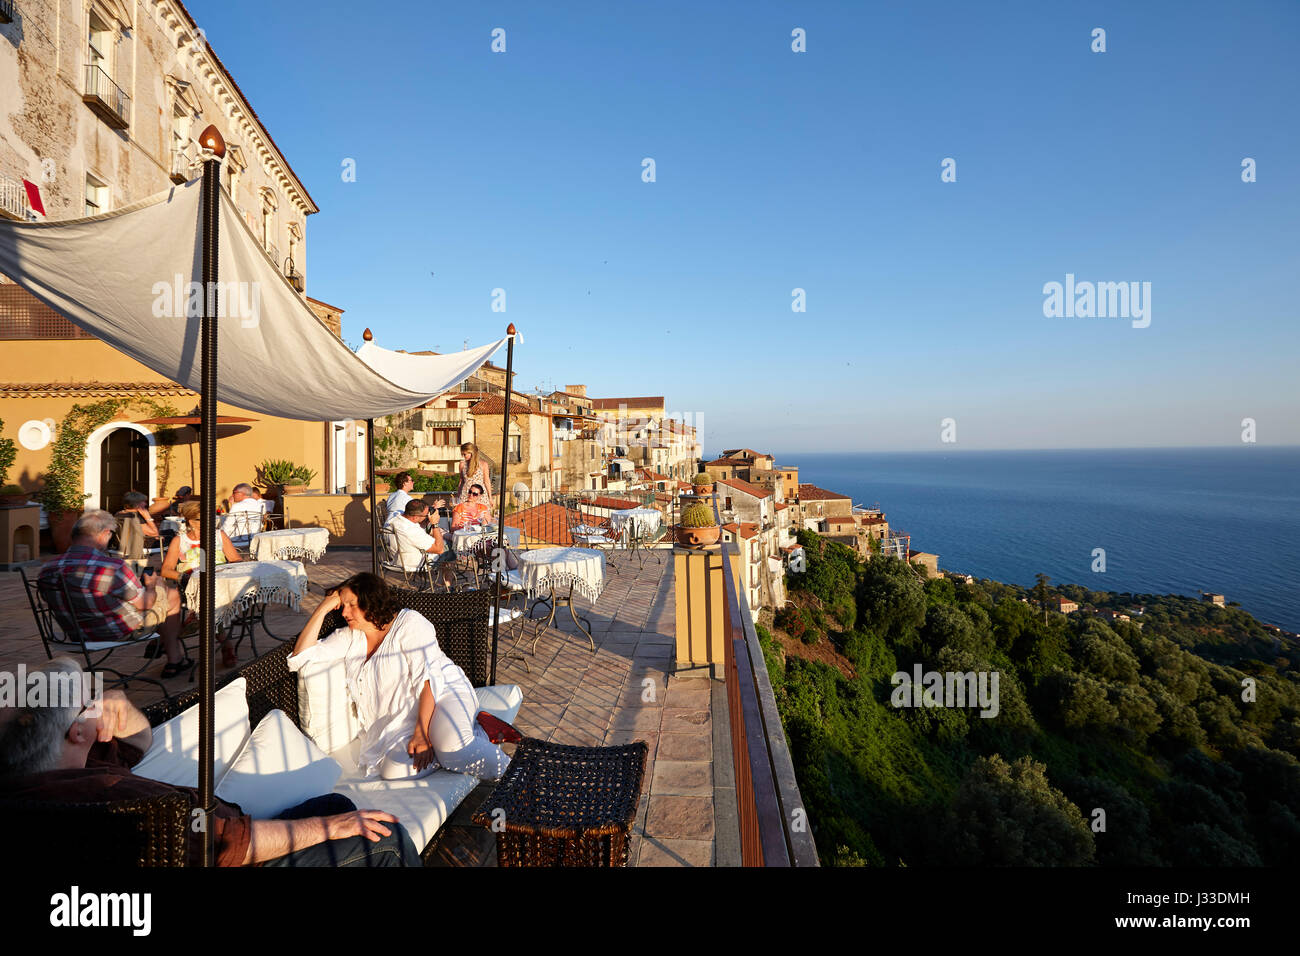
239	448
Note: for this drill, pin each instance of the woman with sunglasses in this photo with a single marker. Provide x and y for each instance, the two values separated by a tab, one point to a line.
473	470
474	510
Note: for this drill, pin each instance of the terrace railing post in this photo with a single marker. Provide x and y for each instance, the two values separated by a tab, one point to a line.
209	532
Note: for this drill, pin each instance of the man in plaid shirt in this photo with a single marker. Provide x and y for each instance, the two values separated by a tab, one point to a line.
109	601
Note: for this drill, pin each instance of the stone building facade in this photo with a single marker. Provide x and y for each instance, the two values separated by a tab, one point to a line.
101	105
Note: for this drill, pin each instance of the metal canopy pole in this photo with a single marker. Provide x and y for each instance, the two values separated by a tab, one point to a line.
497	557
374	519
209	533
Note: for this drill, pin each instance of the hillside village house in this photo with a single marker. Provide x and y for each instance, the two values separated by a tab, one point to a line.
107	100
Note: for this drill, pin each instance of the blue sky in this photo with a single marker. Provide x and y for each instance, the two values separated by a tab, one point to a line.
821	171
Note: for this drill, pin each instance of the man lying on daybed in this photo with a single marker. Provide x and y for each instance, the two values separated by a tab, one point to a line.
85	754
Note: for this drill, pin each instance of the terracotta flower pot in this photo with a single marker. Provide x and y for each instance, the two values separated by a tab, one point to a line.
698	537
14	501
294	489
702	490
382	487
61	529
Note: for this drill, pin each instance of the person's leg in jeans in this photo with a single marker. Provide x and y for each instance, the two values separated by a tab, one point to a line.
396	849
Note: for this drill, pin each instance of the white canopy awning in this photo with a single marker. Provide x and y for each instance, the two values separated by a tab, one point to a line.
133	279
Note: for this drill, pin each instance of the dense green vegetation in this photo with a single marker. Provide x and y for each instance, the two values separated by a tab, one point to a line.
1169	739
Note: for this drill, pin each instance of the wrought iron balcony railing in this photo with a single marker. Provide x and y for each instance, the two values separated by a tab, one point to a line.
182	168
13	200
106	98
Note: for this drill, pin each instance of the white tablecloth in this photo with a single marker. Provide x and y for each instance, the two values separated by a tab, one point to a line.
546	568
245	583
306	544
464	540
644	521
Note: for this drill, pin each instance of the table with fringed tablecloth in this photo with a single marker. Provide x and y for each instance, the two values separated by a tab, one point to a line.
244	589
551	570
303	544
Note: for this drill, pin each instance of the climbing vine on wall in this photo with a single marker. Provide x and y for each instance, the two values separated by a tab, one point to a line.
65	479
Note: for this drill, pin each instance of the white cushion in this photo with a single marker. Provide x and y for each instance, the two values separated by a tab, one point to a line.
500	700
421	805
278	769
325	711
173	757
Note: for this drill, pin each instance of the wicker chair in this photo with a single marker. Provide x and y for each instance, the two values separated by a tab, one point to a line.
153	832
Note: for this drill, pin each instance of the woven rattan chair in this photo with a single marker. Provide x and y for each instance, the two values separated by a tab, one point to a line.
116	834
566	806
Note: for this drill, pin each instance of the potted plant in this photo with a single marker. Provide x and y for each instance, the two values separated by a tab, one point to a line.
299	478
702	484
274	473
696	527
12	496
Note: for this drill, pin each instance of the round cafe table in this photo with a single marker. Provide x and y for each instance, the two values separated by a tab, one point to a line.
550	569
466	539
304	544
244	589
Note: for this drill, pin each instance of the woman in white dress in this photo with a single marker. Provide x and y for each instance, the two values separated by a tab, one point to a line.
473	470
416	707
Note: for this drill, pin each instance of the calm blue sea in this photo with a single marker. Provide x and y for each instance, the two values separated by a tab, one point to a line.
1170	520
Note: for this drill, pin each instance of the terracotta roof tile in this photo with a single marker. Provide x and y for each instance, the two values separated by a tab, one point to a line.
90	389
614	403
495	405
550	523
814	493
750	489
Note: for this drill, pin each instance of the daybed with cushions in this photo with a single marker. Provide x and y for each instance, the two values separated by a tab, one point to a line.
279	738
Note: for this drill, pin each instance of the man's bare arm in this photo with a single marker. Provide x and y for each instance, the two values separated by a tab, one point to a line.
269	839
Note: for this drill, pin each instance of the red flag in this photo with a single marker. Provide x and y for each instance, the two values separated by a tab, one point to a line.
34	197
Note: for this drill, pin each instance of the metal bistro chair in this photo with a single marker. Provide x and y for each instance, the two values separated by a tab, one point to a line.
600	537
63	630
240	526
421	578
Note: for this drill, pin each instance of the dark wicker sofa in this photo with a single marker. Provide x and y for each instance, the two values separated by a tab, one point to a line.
152	832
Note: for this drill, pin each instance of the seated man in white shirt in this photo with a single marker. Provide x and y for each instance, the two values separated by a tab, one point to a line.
414	543
397	501
245	517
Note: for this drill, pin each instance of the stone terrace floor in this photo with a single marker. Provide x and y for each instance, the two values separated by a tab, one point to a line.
623	692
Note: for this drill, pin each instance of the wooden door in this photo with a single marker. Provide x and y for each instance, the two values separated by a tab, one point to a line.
123	467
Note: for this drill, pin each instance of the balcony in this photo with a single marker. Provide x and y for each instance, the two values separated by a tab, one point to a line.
182	169
106	98
13	200
719	787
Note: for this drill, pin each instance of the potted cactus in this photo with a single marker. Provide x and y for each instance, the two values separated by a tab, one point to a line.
696	527
702	484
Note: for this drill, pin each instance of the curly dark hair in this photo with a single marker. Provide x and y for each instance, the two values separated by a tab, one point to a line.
375	599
